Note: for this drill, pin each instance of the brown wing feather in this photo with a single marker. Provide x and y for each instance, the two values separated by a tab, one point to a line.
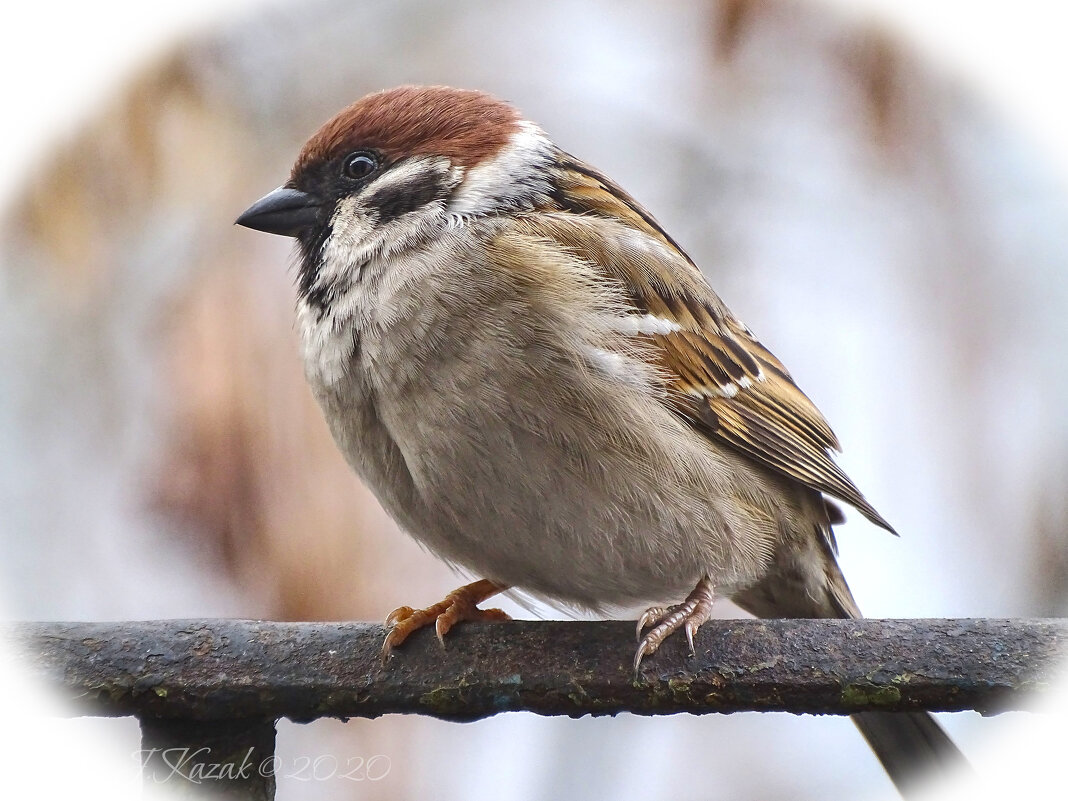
726	383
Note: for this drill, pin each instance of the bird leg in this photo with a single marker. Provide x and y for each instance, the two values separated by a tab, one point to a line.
460	604
690	614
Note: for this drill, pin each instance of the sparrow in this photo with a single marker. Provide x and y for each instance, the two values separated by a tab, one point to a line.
540	386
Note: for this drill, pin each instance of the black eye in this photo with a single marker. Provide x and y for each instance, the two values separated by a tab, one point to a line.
360	164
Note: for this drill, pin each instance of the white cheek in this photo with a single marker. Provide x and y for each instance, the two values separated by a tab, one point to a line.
348	243
492	184
409	171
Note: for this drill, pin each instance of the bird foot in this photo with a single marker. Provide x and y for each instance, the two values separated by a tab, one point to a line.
689	615
460	604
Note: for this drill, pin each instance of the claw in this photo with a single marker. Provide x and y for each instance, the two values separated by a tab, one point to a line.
648	618
459	605
638	658
690	614
690	628
399	614
441	628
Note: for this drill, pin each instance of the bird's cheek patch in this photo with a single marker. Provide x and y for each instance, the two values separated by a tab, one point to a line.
406	188
351	227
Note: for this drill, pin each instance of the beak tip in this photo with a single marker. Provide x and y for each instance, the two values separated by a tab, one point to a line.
285	211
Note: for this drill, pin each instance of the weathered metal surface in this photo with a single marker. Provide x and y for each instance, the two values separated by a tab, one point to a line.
223	669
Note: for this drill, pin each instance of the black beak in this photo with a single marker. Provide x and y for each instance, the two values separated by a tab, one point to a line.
284	211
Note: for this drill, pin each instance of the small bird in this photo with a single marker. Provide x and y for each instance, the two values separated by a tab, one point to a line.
540	386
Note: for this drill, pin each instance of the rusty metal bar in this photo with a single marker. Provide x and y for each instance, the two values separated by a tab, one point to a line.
224	760
212	670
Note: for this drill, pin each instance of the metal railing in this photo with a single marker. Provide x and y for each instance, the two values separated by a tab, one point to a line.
217	687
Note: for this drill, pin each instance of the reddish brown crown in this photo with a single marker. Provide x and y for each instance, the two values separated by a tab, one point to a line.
462	125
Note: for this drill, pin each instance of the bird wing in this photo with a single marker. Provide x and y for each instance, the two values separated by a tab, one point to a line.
724	382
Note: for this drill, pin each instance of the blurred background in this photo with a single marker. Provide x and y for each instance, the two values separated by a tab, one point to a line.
892	234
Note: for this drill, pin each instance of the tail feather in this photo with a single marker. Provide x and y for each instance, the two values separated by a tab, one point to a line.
911	746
